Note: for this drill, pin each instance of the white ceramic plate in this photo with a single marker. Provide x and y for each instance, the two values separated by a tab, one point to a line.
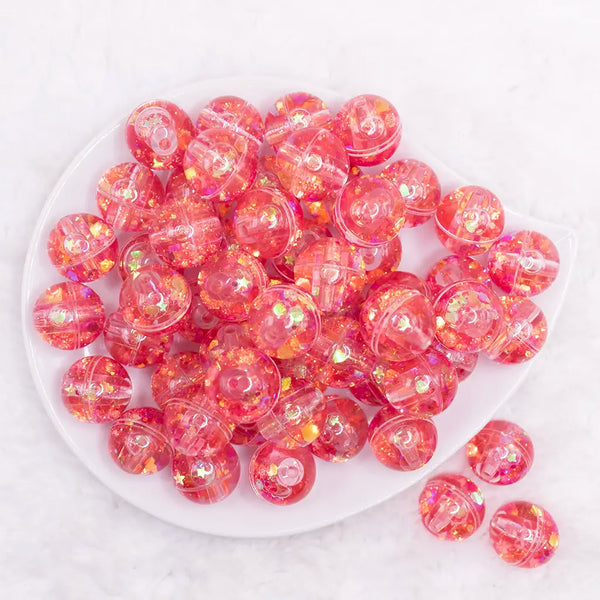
341	489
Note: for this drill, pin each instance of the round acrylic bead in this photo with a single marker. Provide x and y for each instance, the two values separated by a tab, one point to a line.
452	507
369	211
68	315
267	222
523	263
423	386
136	254
127	195
292	112
331	271
397	322
82	247
370	129
132	347
282	475
158	133
207	477
464	362
220	164
382	259
284	322
344	430
501	453
96	389
198	321
419	188
301	370
469	220
524	534
452	269
400	442
244	382
522	334
137	441
154	298
229	282
233	113
468	316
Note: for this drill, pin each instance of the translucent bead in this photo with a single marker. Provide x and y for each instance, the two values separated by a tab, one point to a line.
227	336
464	362
136	254
301	370
402	279
452	269
381	260
265	173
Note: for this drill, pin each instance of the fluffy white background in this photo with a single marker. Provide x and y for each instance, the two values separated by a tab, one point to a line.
508	96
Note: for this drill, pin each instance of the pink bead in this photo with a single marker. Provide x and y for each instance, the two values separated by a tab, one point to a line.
464	362
198	322
158	133
469	220
452	507
245	383
284	322
380	260
397	322
452	269
331	271
293	112
344	430
301	370
402	279
501	453
524	263
267	222
370	128
419	187
233	113
136	254
370	211
154	299
282	476
137	441
130	346
522	334
229	283
207	477
400	442
82	247
247	435
220	164
524	534
96	389
423	386
468	316
68	315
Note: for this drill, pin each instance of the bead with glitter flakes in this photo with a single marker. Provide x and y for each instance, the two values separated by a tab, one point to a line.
403	279
452	269
96	389
136	254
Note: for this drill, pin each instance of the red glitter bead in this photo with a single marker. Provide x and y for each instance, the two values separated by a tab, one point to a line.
464	362
220	164
402	279
282	475
469	220
127	195
229	283
423	386
158	132
137	441
369	211
524	263
452	269
267	222
501	453
136	254
524	534
344	430
198	322
370	128
96	389
381	260
468	316
522	334
208	477
284	322
68	315
233	113
154	299
247	435
130	346
244	382
400	442
292	112
419	187
452	507
82	247
397	322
